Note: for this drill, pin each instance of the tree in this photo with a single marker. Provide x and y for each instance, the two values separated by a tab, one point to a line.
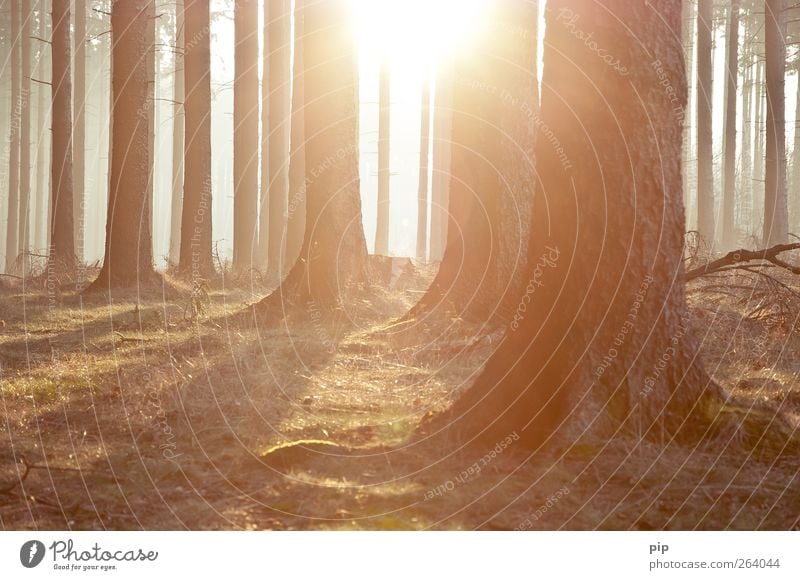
296	222
776	213
440	180
79	127
196	223
245	134
178	95
334	251
128	247
12	227
705	169
278	37
62	237
25	138
384	162
422	194
600	337
729	178
491	148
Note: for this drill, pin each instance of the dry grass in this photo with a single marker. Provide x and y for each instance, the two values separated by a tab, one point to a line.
137	417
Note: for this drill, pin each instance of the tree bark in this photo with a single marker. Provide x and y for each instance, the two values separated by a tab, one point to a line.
729	179
278	21
296	225
128	246
245	134
384	161
196	223
600	337
62	238
334	251
422	192
776	214
705	168
178	119
12	223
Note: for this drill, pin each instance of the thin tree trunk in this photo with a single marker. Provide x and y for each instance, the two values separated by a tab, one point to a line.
756	221
196	222
705	168
746	188
729	179
62	238
442	155
129	243
688	151
333	257
178	118
278	22
12	227
41	216
245	134
422	194
25	139
296	225
79	129
776	218
384	162
794	199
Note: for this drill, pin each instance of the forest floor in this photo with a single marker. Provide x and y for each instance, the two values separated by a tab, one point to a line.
133	415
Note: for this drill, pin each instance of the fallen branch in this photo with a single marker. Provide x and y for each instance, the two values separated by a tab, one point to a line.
742	256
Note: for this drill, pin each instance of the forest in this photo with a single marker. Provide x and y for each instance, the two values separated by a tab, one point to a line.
399	265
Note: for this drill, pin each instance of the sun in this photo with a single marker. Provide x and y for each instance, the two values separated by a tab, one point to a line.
415	34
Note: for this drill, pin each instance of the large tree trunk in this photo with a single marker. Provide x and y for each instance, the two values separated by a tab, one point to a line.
422	192
178	118
705	160
12	223
196	223
334	251
62	237
296	226
128	247
278	38
442	154
245	134
494	116
776	215
79	129
384	161
729	178
600	335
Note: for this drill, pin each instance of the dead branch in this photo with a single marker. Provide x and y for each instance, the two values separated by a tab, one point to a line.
731	259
